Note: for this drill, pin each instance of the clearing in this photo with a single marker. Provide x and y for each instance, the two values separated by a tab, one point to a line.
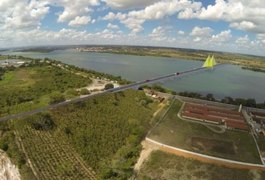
161	165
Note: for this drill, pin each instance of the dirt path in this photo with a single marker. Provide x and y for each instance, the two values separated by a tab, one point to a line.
161	107
147	149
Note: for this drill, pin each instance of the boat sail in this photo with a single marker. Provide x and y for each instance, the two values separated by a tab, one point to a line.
209	62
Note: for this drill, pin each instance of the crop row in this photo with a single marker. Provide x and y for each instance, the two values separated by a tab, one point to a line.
53	158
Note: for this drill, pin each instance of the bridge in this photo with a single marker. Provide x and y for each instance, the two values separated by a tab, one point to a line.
117	89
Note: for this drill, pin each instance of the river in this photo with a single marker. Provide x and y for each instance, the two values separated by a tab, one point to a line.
226	80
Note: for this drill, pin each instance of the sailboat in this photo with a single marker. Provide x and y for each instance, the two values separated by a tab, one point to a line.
209	62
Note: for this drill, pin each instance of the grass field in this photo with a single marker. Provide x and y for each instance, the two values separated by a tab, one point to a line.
261	142
26	88
235	145
161	165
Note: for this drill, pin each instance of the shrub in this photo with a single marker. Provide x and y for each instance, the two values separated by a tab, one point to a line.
109	86
84	91
56	97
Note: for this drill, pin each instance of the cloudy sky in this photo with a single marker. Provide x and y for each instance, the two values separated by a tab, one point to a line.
226	25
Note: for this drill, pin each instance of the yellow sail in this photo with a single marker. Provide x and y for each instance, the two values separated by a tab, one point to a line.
209	62
213	61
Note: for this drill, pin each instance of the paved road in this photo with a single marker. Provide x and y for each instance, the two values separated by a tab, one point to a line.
83	98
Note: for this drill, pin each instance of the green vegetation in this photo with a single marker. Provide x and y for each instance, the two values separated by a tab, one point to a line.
157	87
2	72
196	137
109	86
248	61
100	133
71	93
30	87
254	69
42	121
261	142
84	91
227	100
162	165
9	144
50	154
56	97
89	73
33	84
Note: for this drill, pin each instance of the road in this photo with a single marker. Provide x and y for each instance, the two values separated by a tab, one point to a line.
118	89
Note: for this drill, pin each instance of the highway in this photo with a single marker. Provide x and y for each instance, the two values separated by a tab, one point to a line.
83	98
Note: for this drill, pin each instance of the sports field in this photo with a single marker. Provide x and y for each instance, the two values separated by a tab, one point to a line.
235	145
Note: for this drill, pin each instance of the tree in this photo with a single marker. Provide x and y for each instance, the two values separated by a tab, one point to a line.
72	93
42	121
210	97
159	88
251	103
84	91
56	97
173	92
228	100
109	86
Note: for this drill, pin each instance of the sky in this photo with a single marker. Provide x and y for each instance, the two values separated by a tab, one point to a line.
220	25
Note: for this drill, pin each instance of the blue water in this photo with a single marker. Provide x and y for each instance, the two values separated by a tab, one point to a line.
226	80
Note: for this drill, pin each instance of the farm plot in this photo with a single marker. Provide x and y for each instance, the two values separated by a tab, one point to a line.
53	159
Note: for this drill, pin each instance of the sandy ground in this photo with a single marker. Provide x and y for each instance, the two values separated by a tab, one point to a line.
147	149
98	84
8	171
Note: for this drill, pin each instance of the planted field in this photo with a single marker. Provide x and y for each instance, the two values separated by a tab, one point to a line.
161	165
233	145
103	133
53	159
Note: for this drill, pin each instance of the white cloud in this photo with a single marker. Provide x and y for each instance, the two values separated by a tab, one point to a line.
129	4
78	21
204	31
205	36
181	32
22	13
244	25
261	38
222	36
241	14
64	36
112	26
197	39
161	34
134	19
241	41
74	8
